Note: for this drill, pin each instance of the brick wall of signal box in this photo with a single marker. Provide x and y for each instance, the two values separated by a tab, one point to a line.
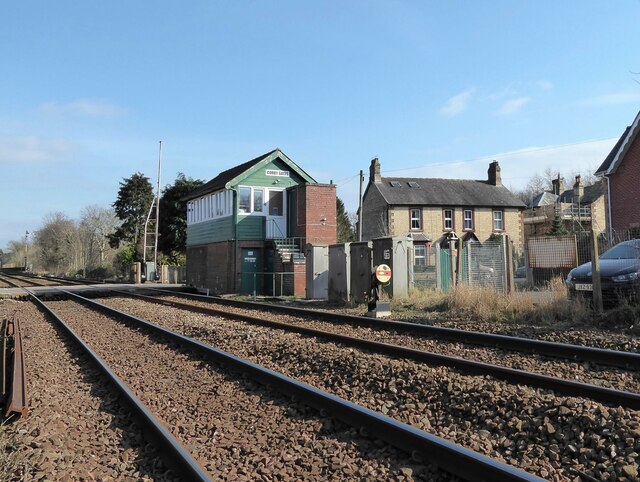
316	219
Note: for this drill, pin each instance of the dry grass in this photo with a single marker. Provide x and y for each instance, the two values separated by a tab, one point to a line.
486	304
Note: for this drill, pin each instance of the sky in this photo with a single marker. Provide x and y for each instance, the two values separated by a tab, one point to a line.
431	88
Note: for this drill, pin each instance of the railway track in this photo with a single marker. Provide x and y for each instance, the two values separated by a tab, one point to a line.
474	411
620	386
373	459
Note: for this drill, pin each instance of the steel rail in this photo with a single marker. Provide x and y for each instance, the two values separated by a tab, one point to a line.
451	457
17	398
9	281
601	356
175	454
22	279
511	375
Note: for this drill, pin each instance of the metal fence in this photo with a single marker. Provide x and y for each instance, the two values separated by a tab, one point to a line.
549	257
476	264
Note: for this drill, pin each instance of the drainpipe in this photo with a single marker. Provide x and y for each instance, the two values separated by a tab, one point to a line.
234	207
610	223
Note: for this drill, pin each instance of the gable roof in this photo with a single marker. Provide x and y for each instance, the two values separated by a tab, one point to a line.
446	192
544	198
613	160
590	195
234	175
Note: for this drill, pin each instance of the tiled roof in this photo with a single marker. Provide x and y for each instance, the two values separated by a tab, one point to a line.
445	192
221	179
606	164
591	194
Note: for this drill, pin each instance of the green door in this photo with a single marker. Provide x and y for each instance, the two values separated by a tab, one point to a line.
251	264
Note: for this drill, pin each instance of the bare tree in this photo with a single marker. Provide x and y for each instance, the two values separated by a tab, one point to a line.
54	244
96	225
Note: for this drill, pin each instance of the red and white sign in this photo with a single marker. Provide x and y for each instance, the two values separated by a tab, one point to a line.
383	273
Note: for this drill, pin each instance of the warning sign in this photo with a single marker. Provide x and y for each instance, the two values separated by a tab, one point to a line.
383	273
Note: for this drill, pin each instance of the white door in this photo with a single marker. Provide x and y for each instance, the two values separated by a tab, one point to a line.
276	214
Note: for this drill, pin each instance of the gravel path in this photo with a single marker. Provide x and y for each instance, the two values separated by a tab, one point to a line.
545	434
585	372
75	428
237	429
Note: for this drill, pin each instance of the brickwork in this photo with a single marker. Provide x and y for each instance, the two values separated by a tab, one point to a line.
316	217
625	190
433	222
210	267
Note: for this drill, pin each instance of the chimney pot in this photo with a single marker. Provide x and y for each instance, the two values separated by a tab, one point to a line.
374	171
495	179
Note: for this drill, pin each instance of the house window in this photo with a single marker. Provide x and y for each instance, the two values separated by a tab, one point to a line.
416	222
468	220
447	215
420	255
244	200
498	221
258	200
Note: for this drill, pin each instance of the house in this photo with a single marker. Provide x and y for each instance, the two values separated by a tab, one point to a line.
246	227
436	210
621	174
580	208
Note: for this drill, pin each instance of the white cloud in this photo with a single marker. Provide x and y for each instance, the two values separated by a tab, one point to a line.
35	150
92	108
457	104
513	106
614	98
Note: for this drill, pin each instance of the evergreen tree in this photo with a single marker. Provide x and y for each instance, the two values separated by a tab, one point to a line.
345	230
557	227
132	207
173	215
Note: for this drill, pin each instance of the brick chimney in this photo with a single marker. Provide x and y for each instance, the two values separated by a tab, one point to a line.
494	174
578	189
374	171
558	185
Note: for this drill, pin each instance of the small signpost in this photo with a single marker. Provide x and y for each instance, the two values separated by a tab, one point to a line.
377	309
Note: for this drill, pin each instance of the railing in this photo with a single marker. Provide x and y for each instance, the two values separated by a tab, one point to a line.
293	245
273	281
575	212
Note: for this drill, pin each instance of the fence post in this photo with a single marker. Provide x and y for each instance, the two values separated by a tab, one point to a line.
452	263
438	268
508	259
459	263
595	276
254	287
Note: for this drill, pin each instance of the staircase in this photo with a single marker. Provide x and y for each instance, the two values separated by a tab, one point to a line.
289	249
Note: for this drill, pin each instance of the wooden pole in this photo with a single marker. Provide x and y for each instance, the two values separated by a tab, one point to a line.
452	263
595	277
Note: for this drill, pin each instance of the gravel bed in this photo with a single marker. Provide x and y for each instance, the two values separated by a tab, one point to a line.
561	332
535	430
237	429
585	372
76	429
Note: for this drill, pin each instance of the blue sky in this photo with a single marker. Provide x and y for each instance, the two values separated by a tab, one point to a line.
434	89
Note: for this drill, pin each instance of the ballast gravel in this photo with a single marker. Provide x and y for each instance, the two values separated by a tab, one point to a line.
555	437
76	429
238	430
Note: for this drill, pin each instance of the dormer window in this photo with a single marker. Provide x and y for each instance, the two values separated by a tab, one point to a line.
395	184
413	184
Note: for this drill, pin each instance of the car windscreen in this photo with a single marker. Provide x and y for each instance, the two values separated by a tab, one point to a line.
622	251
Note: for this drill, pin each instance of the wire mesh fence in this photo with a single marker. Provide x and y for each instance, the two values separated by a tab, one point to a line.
475	264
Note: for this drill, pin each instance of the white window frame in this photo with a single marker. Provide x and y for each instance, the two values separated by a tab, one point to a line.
417	219
498	221
469	219
420	259
445	219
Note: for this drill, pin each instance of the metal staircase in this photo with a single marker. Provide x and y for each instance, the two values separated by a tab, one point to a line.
289	249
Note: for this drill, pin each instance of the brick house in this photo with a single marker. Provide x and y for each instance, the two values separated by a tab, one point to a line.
580	208
435	210
621	173
247	226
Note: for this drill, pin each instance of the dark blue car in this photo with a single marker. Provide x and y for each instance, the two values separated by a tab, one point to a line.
619	274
